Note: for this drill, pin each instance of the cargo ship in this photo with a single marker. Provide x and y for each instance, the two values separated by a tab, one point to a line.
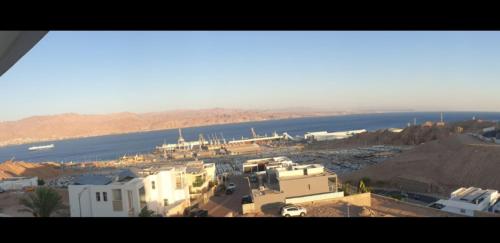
44	147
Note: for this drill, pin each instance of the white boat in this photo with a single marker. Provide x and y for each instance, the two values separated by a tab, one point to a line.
41	147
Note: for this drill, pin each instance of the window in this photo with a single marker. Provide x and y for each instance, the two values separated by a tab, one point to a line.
309	186
165	202
153	185
117	200
98	196
142	197
178	181
332	184
105	196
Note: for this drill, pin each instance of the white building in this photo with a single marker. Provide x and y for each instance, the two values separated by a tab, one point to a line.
18	183
467	200
299	170
259	165
198	177
395	130
163	190
496	207
324	135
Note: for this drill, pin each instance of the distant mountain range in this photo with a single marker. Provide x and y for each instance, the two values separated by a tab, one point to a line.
72	125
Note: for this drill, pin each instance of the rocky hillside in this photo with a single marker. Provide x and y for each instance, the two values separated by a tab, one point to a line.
439	166
413	135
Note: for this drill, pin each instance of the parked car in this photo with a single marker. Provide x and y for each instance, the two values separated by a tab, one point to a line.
290	210
198	213
231	186
1	190
229	191
246	199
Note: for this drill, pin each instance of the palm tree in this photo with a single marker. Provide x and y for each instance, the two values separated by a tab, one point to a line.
145	212
42	203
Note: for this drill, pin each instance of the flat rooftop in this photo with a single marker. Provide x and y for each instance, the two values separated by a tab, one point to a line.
471	194
195	169
93	180
119	177
302	171
267	160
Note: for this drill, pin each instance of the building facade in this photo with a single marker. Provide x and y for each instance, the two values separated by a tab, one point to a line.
325	136
165	191
198	176
278	180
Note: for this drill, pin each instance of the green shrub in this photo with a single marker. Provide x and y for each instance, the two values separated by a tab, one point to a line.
198	182
145	212
41	182
362	188
367	181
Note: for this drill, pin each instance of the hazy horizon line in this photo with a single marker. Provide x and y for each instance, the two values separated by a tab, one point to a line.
291	109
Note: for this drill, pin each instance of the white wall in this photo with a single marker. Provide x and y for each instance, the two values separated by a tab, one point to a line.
315	170
210	169
317	197
18	184
90	207
164	186
453	206
323	136
164	189
288	173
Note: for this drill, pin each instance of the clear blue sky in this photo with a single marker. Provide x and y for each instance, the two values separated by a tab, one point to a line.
105	72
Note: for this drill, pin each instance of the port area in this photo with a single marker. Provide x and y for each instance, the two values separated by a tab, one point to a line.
341	161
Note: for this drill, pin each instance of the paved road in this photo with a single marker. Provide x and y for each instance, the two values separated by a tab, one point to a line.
221	206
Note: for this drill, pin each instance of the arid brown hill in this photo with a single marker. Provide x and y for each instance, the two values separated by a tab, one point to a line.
438	166
40	128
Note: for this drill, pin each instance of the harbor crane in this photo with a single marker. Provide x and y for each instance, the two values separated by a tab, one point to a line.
254	135
223	139
202	141
181	139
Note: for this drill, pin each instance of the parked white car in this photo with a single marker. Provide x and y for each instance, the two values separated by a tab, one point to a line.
231	186
293	210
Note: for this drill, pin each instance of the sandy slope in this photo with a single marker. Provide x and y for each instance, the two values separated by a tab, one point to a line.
42	170
449	163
